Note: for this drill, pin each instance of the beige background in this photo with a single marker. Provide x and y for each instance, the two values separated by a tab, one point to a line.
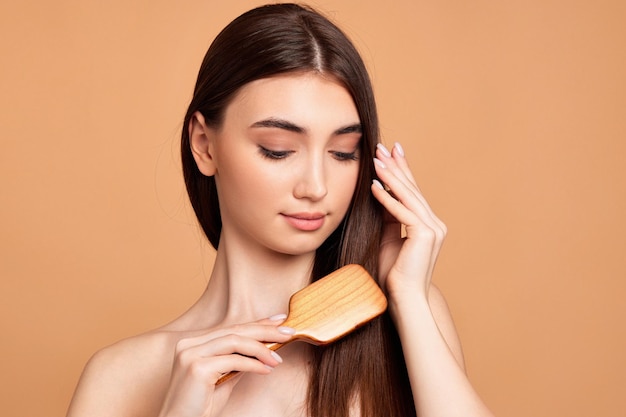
514	117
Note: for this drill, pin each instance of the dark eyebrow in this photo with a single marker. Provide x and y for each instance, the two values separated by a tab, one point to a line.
291	127
355	128
279	124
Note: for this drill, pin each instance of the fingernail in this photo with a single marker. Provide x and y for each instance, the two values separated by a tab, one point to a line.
277	357
378	184
383	150
399	148
278	317
271	368
286	330
379	163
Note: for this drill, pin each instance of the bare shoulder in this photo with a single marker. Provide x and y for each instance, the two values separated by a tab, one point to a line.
118	375
445	323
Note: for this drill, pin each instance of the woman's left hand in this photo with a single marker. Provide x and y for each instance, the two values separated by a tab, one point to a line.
430	344
406	263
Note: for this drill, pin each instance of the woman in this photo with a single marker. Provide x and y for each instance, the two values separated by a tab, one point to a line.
284	170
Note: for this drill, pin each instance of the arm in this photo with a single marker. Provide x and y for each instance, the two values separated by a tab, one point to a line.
434	359
429	341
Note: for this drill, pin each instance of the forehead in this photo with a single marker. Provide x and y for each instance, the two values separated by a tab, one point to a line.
302	98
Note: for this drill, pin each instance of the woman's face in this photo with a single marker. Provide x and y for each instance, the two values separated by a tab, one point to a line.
286	162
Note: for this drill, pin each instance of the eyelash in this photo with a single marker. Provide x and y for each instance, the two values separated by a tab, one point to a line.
276	155
270	154
346	156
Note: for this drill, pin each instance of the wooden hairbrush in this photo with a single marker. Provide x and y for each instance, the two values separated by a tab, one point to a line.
331	307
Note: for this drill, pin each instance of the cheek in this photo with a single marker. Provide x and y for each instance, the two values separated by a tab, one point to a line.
247	179
345	189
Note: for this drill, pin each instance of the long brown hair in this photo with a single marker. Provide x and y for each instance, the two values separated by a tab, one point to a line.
367	367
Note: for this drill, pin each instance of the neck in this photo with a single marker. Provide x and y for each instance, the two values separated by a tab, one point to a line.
249	287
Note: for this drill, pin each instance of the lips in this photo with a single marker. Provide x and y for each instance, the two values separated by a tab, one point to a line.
305	221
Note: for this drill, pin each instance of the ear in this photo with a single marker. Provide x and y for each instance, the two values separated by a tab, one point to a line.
201	140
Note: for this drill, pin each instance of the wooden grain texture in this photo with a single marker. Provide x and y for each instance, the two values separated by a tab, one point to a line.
332	307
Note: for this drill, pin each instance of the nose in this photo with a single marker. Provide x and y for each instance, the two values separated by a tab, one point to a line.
312	181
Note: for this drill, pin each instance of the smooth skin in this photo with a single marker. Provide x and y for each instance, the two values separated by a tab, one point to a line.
285	165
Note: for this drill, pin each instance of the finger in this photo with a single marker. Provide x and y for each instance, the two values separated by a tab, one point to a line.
407	207
265	330
397	163
397	151
392	229
210	370
423	228
401	173
229	345
399	157
405	175
276	319
397	166
396	209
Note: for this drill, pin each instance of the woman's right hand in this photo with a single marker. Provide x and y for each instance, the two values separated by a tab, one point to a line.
200	361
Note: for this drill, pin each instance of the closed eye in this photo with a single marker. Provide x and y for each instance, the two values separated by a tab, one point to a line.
272	154
346	156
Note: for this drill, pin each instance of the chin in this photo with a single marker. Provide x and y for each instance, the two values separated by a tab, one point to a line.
299	247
